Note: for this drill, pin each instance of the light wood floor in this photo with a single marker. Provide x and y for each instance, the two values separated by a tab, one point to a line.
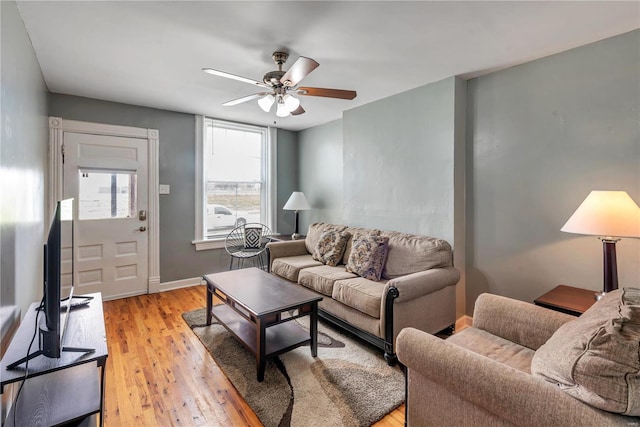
159	374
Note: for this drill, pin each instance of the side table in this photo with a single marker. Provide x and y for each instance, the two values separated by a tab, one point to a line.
567	299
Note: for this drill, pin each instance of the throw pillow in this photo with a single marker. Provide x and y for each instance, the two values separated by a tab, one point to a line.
330	247
596	358
316	230
368	256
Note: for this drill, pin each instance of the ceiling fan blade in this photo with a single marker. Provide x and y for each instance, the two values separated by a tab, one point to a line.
245	99
298	71
327	93
234	77
298	111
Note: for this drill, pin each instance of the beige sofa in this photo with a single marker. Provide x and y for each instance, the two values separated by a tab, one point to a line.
416	287
586	370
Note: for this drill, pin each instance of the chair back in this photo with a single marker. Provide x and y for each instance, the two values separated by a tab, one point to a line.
247	240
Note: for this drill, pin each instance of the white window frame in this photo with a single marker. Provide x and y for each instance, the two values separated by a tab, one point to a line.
269	169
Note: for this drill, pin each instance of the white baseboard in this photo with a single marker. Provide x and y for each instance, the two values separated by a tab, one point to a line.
154	284
177	284
123	295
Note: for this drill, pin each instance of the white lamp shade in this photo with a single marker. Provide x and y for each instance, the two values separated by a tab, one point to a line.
282	110
291	103
606	214
266	102
297	202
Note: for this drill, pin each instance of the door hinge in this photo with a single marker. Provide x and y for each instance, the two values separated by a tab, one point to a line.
62	149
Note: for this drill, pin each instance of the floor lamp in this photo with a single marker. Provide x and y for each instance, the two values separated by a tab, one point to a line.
609	215
297	202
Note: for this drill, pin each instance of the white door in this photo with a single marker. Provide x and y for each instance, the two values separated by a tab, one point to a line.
107	177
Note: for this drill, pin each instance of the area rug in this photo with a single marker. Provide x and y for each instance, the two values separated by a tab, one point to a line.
348	384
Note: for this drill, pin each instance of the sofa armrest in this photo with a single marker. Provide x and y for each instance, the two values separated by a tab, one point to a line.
517	321
286	248
425	282
508	393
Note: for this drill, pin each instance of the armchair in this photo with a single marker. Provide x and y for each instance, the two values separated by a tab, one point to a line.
482	375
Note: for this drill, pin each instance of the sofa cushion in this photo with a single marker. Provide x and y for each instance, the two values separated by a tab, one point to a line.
315	231
368	256
362	294
596	358
322	278
330	247
410	253
289	267
494	347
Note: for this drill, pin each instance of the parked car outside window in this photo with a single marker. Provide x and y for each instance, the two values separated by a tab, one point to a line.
220	217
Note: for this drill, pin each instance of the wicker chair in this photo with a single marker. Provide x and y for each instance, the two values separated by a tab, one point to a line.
248	241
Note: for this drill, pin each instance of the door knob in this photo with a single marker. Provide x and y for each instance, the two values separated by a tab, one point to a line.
142	228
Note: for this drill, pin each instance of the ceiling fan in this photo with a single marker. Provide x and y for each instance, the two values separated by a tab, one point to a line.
282	86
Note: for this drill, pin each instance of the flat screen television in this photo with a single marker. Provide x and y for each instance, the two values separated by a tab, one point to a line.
57	267
59	235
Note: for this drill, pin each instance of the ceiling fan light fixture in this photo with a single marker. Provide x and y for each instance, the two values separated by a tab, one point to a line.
291	102
279	83
266	102
282	110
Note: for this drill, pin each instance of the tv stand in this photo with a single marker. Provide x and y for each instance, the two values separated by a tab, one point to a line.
37	353
70	387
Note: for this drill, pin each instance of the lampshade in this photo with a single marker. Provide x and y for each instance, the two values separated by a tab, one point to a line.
266	102
606	213
282	110
291	102
297	202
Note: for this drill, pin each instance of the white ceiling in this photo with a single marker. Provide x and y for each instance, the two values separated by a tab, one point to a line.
151	53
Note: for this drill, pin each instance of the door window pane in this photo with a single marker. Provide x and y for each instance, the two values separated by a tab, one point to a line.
107	194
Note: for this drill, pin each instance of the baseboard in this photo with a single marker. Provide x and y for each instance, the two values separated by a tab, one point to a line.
124	295
154	284
463	322
177	284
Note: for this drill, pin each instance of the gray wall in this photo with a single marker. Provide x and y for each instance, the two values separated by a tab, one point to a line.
178	257
398	159
23	163
287	171
541	136
320	150
387	164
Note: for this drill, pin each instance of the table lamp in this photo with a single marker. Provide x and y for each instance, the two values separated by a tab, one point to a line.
609	215
297	202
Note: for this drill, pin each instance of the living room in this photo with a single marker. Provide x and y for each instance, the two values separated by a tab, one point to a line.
493	164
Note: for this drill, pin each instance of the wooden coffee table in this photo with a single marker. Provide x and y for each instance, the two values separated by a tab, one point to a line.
254	304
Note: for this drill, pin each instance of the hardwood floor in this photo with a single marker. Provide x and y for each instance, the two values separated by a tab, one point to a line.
159	374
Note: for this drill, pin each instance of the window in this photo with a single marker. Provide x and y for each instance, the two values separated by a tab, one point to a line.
106	194
234	178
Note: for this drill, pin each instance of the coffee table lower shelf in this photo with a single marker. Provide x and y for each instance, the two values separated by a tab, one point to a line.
280	337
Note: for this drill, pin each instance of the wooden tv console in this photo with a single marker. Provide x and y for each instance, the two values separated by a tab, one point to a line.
68	389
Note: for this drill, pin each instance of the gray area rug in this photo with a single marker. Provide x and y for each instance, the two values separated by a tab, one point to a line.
348	384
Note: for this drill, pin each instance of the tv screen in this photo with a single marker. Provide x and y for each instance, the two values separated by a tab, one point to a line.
58	252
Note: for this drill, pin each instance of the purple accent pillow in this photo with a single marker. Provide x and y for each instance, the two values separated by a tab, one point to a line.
368	255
